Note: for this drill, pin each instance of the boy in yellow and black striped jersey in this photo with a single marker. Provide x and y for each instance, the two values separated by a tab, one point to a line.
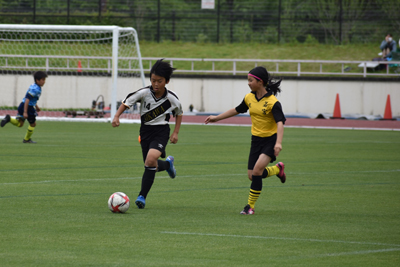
267	120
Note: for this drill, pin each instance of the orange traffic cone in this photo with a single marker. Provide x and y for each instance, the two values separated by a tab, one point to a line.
336	112
388	110
79	66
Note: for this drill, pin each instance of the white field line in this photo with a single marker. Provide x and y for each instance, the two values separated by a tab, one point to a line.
122	178
375	171
292	239
184	176
355	252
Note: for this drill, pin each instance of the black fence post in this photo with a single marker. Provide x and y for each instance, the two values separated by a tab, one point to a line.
99	10
340	22
231	26
68	7
279	21
173	25
218	14
158	21
34	11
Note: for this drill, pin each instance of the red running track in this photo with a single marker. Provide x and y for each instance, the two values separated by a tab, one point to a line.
312	123
245	120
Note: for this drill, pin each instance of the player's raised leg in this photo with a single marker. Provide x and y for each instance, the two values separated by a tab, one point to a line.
167	165
5	120
171	170
278	170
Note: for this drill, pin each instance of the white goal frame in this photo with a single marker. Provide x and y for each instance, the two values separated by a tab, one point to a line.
115	30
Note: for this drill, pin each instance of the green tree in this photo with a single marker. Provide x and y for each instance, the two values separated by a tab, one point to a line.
331	13
391	8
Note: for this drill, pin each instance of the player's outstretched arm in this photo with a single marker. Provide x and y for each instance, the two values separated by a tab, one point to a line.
121	109
278	144
26	105
227	114
174	135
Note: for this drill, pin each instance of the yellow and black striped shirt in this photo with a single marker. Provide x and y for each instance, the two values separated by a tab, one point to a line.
264	113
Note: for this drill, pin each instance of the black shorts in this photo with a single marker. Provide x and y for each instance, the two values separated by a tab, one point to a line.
31	113
156	137
261	145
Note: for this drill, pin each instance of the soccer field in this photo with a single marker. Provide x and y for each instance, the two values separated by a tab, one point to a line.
340	205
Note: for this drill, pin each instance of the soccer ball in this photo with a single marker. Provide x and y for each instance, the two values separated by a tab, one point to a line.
118	202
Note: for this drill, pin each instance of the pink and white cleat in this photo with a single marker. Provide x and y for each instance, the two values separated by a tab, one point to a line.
247	210
281	175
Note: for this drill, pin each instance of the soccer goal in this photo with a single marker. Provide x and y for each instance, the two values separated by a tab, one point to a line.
90	68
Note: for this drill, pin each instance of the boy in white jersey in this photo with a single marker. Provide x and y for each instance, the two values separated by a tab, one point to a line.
156	104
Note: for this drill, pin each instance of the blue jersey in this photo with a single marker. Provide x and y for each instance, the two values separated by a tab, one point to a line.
33	94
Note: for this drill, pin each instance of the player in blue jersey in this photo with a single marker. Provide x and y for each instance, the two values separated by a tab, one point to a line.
28	108
267	119
156	105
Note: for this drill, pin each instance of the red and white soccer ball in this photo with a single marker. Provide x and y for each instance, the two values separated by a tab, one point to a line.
118	202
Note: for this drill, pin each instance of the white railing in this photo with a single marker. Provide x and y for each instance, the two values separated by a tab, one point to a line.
359	68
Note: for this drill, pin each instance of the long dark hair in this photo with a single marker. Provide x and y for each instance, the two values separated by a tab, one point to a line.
271	83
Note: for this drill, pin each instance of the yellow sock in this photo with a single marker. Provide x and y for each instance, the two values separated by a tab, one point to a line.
15	122
29	132
273	170
253	196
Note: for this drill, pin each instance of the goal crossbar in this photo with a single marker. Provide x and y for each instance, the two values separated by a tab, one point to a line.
115	30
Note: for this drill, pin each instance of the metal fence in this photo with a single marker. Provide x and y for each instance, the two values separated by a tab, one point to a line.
267	21
209	66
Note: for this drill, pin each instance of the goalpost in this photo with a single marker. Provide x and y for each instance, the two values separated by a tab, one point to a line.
83	62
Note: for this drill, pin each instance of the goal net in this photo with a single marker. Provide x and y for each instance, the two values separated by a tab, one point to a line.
90	68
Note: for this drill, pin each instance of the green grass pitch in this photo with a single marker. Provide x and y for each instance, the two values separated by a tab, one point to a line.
340	205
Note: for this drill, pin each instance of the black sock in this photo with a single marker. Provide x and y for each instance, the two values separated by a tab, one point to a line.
255	190
162	165
265	174
147	180
256	183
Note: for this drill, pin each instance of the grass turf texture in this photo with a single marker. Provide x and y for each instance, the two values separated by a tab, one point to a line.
261	51
339	206
298	51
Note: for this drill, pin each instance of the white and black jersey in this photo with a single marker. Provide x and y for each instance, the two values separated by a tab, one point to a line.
153	110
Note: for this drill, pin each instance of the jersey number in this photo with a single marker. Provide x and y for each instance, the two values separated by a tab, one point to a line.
148	106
